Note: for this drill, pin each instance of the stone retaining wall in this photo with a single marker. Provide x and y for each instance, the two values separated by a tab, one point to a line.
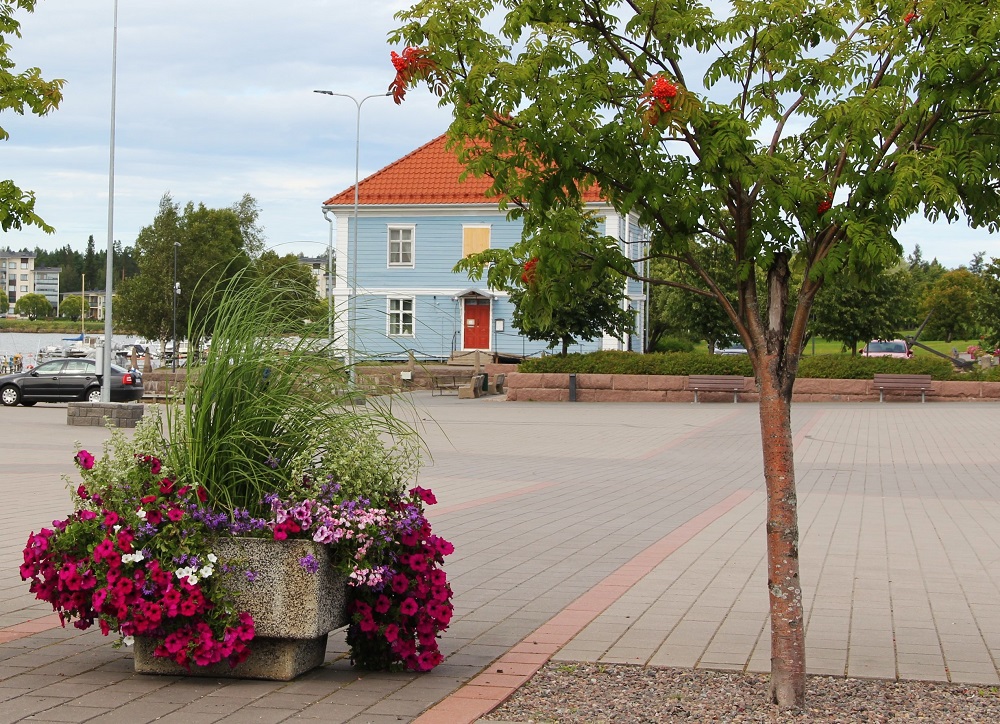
554	387
120	414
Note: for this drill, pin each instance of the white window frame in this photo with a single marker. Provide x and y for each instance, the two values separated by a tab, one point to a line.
412	229
395	318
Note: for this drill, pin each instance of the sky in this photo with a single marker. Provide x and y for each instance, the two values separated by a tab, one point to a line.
214	100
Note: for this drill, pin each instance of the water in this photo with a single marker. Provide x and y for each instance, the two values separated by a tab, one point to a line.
27	344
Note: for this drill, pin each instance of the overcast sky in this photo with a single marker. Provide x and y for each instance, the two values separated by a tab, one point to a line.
214	100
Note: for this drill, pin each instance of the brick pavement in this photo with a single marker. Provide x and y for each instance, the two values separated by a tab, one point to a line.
604	532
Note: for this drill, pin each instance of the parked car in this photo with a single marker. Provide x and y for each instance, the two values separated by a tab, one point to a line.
67	380
735	349
887	348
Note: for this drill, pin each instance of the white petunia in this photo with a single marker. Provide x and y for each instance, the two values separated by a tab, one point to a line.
141	514
128	640
212	558
206	571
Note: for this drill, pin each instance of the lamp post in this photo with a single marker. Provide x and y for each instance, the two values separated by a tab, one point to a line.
352	267
110	263
176	293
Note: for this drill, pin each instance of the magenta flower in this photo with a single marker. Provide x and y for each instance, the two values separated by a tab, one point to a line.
424	494
84	459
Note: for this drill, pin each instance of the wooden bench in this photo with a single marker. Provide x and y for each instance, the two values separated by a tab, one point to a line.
902	383
717	383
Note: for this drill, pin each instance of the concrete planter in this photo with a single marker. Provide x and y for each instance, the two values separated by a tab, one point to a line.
293	610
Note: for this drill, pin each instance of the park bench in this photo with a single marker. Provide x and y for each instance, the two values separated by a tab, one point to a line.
717	383
445	384
496	387
473	388
902	383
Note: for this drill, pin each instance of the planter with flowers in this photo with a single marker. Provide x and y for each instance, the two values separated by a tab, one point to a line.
263	512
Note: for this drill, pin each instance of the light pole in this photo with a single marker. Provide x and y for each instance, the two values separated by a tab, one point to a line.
109	265
352	267
176	293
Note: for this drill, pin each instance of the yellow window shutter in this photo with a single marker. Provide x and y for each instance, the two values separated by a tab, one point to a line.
475	239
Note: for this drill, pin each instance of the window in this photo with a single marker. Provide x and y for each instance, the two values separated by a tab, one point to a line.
12	265
24	277
24	287
475	239
80	367
401	317
24	265
400	246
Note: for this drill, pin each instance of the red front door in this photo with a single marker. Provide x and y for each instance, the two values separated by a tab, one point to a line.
477	323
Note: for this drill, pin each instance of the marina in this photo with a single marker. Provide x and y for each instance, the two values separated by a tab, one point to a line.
28	349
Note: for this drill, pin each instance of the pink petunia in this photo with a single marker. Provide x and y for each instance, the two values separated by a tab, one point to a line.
424	494
84	459
400	583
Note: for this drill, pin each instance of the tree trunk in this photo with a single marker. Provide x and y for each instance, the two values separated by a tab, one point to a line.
788	652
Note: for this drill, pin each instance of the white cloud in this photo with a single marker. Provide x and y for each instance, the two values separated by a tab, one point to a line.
214	100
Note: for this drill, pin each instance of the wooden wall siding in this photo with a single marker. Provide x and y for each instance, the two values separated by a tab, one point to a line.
438	237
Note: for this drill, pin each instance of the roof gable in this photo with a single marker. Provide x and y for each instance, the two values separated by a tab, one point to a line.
430	174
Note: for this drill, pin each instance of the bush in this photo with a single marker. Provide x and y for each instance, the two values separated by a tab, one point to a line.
845	367
675	344
842	367
631	363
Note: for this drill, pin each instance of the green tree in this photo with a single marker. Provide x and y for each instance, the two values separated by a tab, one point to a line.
952	304
93	268
71	307
676	310
989	303
853	311
293	281
560	290
33	305
816	130
210	243
20	92
923	275
4	302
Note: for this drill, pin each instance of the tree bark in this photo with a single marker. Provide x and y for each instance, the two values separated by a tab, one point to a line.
788	652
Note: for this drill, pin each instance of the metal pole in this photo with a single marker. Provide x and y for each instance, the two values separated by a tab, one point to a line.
175	292
329	281
352	269
110	262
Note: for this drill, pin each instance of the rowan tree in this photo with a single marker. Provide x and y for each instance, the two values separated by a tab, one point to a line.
799	133
21	92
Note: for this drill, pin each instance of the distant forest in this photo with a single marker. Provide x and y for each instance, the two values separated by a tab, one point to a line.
92	263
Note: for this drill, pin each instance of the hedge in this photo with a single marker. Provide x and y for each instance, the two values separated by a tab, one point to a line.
834	366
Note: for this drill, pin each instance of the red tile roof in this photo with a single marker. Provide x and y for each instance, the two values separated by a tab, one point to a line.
428	175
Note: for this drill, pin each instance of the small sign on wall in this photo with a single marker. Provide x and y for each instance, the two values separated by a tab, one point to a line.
498	325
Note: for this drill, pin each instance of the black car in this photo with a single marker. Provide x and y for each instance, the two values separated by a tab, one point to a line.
67	380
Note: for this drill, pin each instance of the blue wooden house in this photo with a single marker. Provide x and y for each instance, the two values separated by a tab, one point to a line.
396	289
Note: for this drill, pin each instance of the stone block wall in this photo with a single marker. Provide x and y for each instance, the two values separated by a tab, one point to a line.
93	414
552	387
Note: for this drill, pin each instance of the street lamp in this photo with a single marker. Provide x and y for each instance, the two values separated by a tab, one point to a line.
352	266
110	261
177	291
